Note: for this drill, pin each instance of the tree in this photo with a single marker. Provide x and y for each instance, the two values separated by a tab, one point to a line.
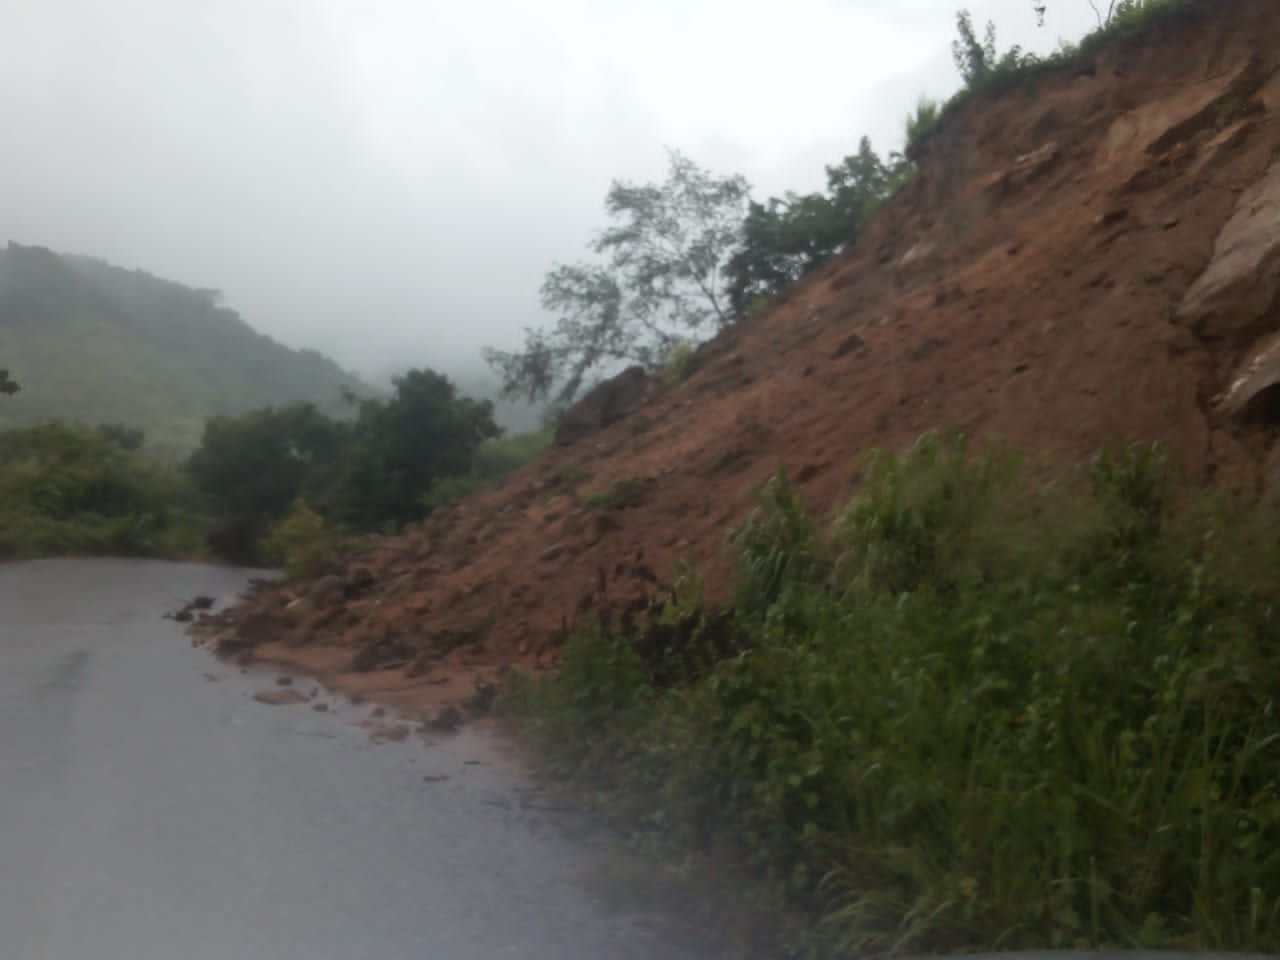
979	62
252	467
661	283
785	238
975	60
401	446
7	386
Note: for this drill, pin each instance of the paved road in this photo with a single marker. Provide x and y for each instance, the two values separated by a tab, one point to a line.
146	812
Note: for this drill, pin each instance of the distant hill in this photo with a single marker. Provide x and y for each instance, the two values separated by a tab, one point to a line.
92	342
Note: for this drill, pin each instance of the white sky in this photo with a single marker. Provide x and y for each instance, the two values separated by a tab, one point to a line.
388	180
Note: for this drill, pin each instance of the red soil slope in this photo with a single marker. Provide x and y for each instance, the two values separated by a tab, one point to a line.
1093	255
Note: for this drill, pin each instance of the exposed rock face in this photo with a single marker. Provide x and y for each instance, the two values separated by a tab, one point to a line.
606	404
1239	287
1255	393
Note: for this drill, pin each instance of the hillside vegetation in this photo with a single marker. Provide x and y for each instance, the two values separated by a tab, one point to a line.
978	709
97	344
67	488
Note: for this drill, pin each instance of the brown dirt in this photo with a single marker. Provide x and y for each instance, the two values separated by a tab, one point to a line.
1092	256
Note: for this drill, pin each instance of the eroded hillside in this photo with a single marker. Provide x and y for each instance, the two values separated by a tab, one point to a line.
1093	255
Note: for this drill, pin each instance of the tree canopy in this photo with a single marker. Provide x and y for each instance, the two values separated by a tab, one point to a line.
257	464
368	474
401	446
660	283
783	239
7	386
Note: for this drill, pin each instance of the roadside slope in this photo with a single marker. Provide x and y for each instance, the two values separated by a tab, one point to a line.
1092	255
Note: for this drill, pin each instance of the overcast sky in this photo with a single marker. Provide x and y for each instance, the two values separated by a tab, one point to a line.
388	180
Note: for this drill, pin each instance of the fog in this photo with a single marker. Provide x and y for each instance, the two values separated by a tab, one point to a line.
388	181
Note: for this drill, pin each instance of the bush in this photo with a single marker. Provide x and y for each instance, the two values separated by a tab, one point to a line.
678	364
303	544
988	709
74	489
495	459
921	124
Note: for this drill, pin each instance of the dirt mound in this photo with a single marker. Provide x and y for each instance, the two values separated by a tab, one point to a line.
1094	255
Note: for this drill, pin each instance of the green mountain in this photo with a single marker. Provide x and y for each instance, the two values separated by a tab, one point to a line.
92	342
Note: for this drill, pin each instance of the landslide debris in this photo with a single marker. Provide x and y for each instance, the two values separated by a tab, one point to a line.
1092	256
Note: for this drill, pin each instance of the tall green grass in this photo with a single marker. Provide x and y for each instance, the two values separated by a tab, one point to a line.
984	708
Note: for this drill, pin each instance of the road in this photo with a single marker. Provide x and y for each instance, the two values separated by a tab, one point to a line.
147	811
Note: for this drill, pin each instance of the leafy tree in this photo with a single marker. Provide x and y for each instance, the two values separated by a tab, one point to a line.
975	60
785	238
661	283
257	464
401	446
7	386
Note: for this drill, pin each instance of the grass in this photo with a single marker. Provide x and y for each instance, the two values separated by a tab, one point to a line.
678	364
304	545
628	492
982	709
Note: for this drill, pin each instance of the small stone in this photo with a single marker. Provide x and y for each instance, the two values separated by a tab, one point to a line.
283	681
320	707
390	733
278	697
1112	217
446	720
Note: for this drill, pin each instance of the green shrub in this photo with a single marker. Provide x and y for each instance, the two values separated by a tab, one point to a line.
678	364
74	489
495	459
988	709
921	123
304	544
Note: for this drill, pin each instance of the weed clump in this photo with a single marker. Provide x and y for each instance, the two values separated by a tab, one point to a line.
984	709
627	492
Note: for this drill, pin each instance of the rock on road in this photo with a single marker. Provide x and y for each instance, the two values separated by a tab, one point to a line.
146	812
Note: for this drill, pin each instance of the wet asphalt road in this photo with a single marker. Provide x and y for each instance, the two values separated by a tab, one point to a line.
146	812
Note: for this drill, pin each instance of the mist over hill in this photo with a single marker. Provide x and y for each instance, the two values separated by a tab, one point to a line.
93	342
